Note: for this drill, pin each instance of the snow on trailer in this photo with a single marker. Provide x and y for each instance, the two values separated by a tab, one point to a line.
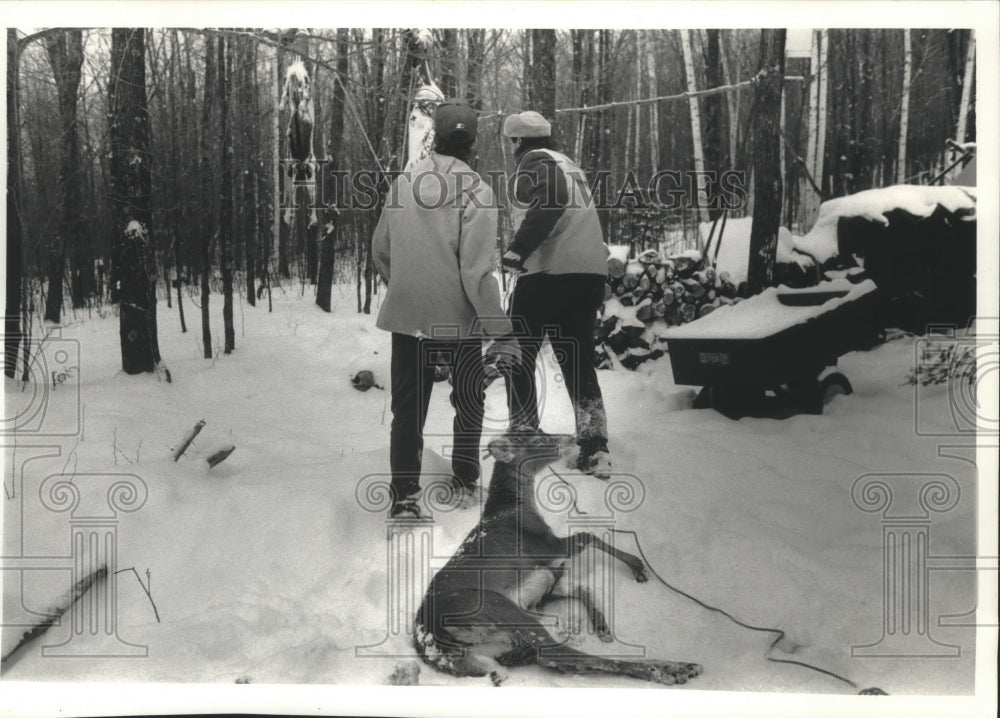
781	340
877	205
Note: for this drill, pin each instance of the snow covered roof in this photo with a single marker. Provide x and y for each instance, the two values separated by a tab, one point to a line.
874	204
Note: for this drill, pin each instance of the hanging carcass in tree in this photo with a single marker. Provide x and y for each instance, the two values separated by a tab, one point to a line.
300	167
420	127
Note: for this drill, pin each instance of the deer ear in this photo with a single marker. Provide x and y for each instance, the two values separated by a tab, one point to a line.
501	450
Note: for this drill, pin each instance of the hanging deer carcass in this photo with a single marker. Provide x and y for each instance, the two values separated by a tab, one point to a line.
300	166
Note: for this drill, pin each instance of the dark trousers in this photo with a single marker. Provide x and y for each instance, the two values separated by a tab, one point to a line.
562	308
412	377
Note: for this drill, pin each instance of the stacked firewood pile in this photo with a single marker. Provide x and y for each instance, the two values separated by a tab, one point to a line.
647	295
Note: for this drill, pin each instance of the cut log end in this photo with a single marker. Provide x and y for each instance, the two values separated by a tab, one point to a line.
219	455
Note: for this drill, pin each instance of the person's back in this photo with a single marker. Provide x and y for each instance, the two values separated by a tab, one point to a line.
559	252
437	215
434	247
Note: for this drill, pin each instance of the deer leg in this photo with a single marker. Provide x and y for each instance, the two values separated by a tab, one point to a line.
289	191
311	187
569	660
478	664
582	541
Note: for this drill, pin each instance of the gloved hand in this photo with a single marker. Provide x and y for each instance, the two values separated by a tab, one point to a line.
503	354
512	261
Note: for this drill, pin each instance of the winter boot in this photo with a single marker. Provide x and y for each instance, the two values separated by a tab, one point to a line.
464	495
407	508
597	464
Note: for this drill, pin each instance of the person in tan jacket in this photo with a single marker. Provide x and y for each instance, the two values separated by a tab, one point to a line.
434	247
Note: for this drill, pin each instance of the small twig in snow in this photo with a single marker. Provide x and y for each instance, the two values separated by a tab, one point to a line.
145	587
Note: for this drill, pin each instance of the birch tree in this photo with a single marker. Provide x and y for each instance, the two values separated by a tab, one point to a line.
816	130
967	84
640	71
692	87
904	109
654	112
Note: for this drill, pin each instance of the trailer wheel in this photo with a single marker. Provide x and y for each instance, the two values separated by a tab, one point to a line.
831	386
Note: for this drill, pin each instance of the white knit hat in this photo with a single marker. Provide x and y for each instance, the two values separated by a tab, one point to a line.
526	124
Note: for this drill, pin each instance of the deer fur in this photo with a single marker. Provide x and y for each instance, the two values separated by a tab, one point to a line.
479	614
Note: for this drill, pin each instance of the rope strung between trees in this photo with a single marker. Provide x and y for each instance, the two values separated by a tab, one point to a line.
681	96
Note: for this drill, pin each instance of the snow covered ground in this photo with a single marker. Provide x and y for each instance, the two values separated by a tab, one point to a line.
266	569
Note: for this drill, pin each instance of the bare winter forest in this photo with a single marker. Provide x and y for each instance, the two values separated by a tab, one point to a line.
187	132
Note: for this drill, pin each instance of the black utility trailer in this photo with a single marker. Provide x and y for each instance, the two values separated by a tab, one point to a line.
774	351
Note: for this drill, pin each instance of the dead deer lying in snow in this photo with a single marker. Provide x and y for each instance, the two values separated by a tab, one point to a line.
477	616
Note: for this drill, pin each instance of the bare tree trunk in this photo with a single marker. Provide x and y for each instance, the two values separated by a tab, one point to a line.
176	123
767	171
810	201
13	326
967	85
904	110
65	51
449	62
209	222
130	192
692	86
716	154
654	111
476	40
602	140
282	229
542	73
824	54
581	88
379	116
324	284
732	104
225	62
640	62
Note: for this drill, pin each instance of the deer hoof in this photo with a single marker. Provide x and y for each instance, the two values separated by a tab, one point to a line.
497	677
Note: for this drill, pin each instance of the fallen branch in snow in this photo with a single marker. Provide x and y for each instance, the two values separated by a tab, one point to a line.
67	602
220	455
145	587
186	442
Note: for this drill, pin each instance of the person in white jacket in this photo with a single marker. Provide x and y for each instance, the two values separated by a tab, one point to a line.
434	247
